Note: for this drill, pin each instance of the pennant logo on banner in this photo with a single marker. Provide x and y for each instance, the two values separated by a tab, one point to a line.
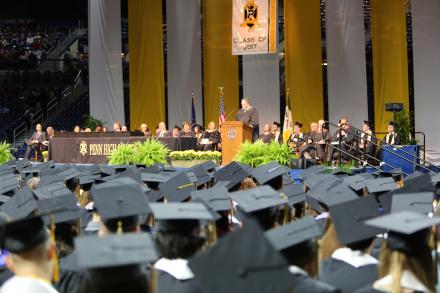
250	15
254	26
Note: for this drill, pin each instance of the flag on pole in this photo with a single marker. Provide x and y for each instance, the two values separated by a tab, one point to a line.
288	124
222	114
193	110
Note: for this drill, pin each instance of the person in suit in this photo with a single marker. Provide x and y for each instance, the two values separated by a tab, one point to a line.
211	136
347	137
161	130
308	150
249	115
35	141
266	136
145	130
276	131
49	135
392	138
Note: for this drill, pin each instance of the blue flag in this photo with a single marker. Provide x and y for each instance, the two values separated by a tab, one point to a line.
193	111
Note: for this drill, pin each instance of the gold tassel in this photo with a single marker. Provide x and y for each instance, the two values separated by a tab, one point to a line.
286	218
212	234
153	283
56	268
119	231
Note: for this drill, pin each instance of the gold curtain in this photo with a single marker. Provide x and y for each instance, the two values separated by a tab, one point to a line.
147	91
304	60
220	66
390	58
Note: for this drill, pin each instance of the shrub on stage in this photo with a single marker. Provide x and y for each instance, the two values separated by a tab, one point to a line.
5	153
146	153
259	153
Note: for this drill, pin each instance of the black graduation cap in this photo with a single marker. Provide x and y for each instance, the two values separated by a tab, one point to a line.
420	202
416	183
8	183
295	193
94	169
435	178
177	188
313	170
156	168
217	198
407	230
21	205
86	181
256	199
322	197
34	171
396	174
349	219
294	233
134	174
356	182
191	175
21	235
58	205
234	172
153	179
270	174
380	185
202	175
277	124
300	125
94	252
180	217
119	198
208	166
70	173
4	199
321	180
242	265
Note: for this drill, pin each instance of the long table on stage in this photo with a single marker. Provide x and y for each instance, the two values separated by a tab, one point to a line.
95	149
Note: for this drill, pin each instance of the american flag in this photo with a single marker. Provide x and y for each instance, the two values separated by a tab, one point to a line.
222	114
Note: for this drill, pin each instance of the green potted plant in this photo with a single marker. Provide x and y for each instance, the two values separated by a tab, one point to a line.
122	155
149	152
5	153
91	122
404	128
258	153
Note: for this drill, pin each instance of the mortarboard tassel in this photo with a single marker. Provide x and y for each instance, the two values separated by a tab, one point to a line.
286	218
56	268
119	231
153	283
212	234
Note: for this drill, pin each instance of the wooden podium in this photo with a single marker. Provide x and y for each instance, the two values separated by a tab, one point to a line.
234	133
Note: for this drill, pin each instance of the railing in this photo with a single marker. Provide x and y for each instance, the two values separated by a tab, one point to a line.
77	79
357	134
51	106
423	146
19	130
37	117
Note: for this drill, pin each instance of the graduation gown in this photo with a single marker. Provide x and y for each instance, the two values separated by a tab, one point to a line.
174	276
304	283
348	270
249	116
70	275
266	138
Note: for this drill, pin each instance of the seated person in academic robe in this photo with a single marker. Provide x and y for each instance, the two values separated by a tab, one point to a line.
162	131
392	138
297	138
210	138
176	131
249	115
117	126
406	261
296	242
186	131
266	136
308	150
367	140
347	140
145	130
198	133
352	267
31	255
35	141
178	238
323	140
276	132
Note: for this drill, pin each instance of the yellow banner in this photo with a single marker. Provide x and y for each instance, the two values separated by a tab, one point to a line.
220	67
304	60
147	91
390	58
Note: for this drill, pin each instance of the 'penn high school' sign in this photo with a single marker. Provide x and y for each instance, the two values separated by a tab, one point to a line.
254	27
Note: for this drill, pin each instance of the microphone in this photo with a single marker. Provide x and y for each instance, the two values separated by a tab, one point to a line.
229	114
